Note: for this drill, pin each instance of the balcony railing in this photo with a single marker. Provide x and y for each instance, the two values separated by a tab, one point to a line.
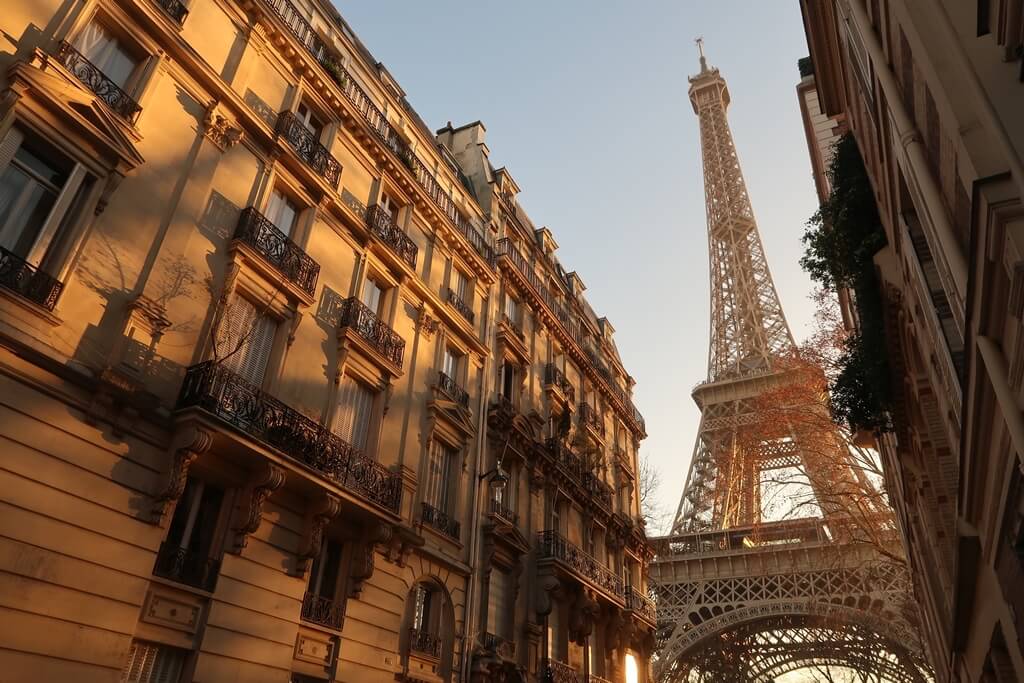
175	9
384	227
555	546
424	642
23	278
280	252
227	396
454	391
187	567
442	521
641	605
461	306
94	79
555	377
308	148
323	611
591	418
502	510
554	671
574	466
303	32
594	678
503	647
354	314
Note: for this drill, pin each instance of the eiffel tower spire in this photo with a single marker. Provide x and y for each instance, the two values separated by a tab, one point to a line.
749	332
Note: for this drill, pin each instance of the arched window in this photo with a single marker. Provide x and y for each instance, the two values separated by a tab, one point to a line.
426	643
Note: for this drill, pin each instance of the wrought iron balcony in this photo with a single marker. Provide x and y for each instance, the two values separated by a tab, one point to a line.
594	678
175	9
554	671
94	79
355	315
450	387
227	396
514	326
424	642
461	306
591	418
280	252
500	509
641	605
308	148
555	377
442	521
323	611
552	545
503	647
23	278
187	567
384	227
573	465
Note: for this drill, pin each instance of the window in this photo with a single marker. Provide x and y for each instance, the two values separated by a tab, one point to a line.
499	603
309	120
556	518
355	408
460	284
153	663
187	554
245	340
372	296
320	604
451	363
388	206
508	379
512	309
440	465
282	212
40	191
107	53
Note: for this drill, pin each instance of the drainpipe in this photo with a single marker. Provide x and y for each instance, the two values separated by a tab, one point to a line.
910	139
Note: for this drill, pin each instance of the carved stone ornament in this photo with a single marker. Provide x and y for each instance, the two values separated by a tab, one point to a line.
362	567
220	130
188	445
318	515
428	323
397	542
548	588
263	483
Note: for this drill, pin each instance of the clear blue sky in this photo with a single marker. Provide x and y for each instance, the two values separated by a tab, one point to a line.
585	103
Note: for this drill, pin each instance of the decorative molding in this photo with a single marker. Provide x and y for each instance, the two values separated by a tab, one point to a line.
426	322
362	567
261	485
318	515
190	443
219	129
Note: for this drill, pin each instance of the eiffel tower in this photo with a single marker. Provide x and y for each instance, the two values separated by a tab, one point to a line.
741	598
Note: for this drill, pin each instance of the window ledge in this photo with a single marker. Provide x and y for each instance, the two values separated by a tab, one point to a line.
9	298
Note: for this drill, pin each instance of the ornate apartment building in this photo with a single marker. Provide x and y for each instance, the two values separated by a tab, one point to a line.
932	92
292	389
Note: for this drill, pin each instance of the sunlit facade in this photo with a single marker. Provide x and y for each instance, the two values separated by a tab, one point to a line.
293	388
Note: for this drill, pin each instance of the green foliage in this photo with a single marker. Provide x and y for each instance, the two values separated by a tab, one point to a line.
839	245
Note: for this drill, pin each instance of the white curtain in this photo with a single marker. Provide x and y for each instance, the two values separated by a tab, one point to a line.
281	212
103	50
355	405
245	339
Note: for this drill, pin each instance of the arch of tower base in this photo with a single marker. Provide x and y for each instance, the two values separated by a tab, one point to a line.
758	644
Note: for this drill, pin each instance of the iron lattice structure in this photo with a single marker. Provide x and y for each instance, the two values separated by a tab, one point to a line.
740	598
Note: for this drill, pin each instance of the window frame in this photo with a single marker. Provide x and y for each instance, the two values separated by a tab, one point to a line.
143	48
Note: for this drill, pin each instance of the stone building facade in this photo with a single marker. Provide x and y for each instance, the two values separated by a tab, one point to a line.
932	93
292	388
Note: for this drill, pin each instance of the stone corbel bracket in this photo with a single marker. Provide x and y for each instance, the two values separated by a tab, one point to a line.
267	479
318	515
189	444
397	542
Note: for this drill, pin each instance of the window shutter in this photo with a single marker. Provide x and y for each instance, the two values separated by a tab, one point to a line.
152	663
246	339
498	603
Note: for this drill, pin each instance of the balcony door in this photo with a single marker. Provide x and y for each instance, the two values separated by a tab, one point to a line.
107	53
282	212
354	413
438	490
245	340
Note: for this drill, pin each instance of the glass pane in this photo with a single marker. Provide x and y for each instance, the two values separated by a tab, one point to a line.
371	295
282	212
24	205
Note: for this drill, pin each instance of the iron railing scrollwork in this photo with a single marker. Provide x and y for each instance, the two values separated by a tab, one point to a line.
424	642
355	315
451	387
440	520
222	393
308	148
273	245
97	81
641	605
384	227
554	671
323	611
175	9
502	510
555	546
573	465
594	678
461	306
22	277
591	418
303	32
554	376
186	566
